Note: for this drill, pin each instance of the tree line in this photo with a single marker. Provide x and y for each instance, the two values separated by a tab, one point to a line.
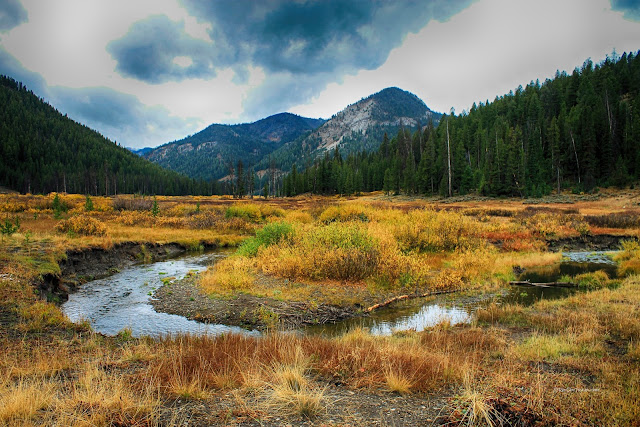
43	151
576	131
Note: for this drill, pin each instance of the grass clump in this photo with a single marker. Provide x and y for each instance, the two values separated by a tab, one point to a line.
292	393
268	235
595	280
82	225
230	275
628	258
41	316
397	382
344	212
541	346
21	402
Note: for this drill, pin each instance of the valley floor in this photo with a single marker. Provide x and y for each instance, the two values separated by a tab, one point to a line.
573	361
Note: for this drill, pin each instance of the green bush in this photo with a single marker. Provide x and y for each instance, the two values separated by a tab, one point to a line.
270	234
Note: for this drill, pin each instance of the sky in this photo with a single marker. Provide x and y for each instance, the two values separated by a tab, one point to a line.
146	72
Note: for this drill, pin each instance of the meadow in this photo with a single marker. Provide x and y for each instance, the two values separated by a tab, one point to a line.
568	361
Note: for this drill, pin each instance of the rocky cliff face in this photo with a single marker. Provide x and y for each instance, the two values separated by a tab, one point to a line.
389	108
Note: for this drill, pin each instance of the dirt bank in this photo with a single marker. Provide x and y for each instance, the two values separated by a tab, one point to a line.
598	242
184	298
81	266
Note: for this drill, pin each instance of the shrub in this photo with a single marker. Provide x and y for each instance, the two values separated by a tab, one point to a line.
134	204
595	280
430	231
341	251
203	220
268	235
133	218
83	225
344	212
615	220
247	211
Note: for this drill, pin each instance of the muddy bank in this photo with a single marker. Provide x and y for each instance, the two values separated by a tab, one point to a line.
599	242
81	266
184	298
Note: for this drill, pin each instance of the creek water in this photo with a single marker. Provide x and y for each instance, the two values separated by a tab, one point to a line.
456	308
122	300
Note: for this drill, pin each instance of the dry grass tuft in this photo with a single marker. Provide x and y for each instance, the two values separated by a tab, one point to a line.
397	382
21	402
292	393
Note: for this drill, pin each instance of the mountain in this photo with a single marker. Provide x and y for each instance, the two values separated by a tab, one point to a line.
575	132
140	151
42	151
209	153
359	127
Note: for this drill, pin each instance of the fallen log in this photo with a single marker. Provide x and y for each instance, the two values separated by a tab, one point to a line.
408	296
544	285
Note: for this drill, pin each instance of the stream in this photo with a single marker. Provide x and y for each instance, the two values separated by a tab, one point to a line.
122	300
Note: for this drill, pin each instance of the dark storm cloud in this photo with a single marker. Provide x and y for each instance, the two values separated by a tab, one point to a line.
119	116
301	38
317	36
304	45
631	8
148	50
12	14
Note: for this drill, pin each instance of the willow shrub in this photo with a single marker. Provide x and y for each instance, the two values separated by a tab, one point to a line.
268	235
82	225
430	231
339	251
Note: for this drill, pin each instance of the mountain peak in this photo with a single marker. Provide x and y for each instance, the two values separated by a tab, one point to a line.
388	109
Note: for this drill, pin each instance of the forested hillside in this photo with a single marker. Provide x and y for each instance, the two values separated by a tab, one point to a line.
575	131
42	151
213	152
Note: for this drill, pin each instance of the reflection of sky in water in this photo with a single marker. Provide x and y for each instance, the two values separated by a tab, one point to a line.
428	316
598	257
122	301
418	316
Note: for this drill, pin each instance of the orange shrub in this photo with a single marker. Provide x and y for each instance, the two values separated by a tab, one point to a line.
83	225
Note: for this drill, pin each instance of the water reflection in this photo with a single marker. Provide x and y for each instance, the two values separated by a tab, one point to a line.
422	314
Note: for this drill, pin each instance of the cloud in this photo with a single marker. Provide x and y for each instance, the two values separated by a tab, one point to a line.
120	116
631	8
9	66
12	14
157	50
304	45
316	36
300	46
279	91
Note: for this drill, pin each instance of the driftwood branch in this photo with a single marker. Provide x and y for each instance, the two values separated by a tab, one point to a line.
409	296
544	285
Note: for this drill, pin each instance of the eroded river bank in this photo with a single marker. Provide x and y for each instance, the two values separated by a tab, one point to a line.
162	298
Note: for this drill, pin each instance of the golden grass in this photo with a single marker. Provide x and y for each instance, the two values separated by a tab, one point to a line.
516	368
20	402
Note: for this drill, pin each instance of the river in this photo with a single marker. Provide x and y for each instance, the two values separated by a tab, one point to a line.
122	300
